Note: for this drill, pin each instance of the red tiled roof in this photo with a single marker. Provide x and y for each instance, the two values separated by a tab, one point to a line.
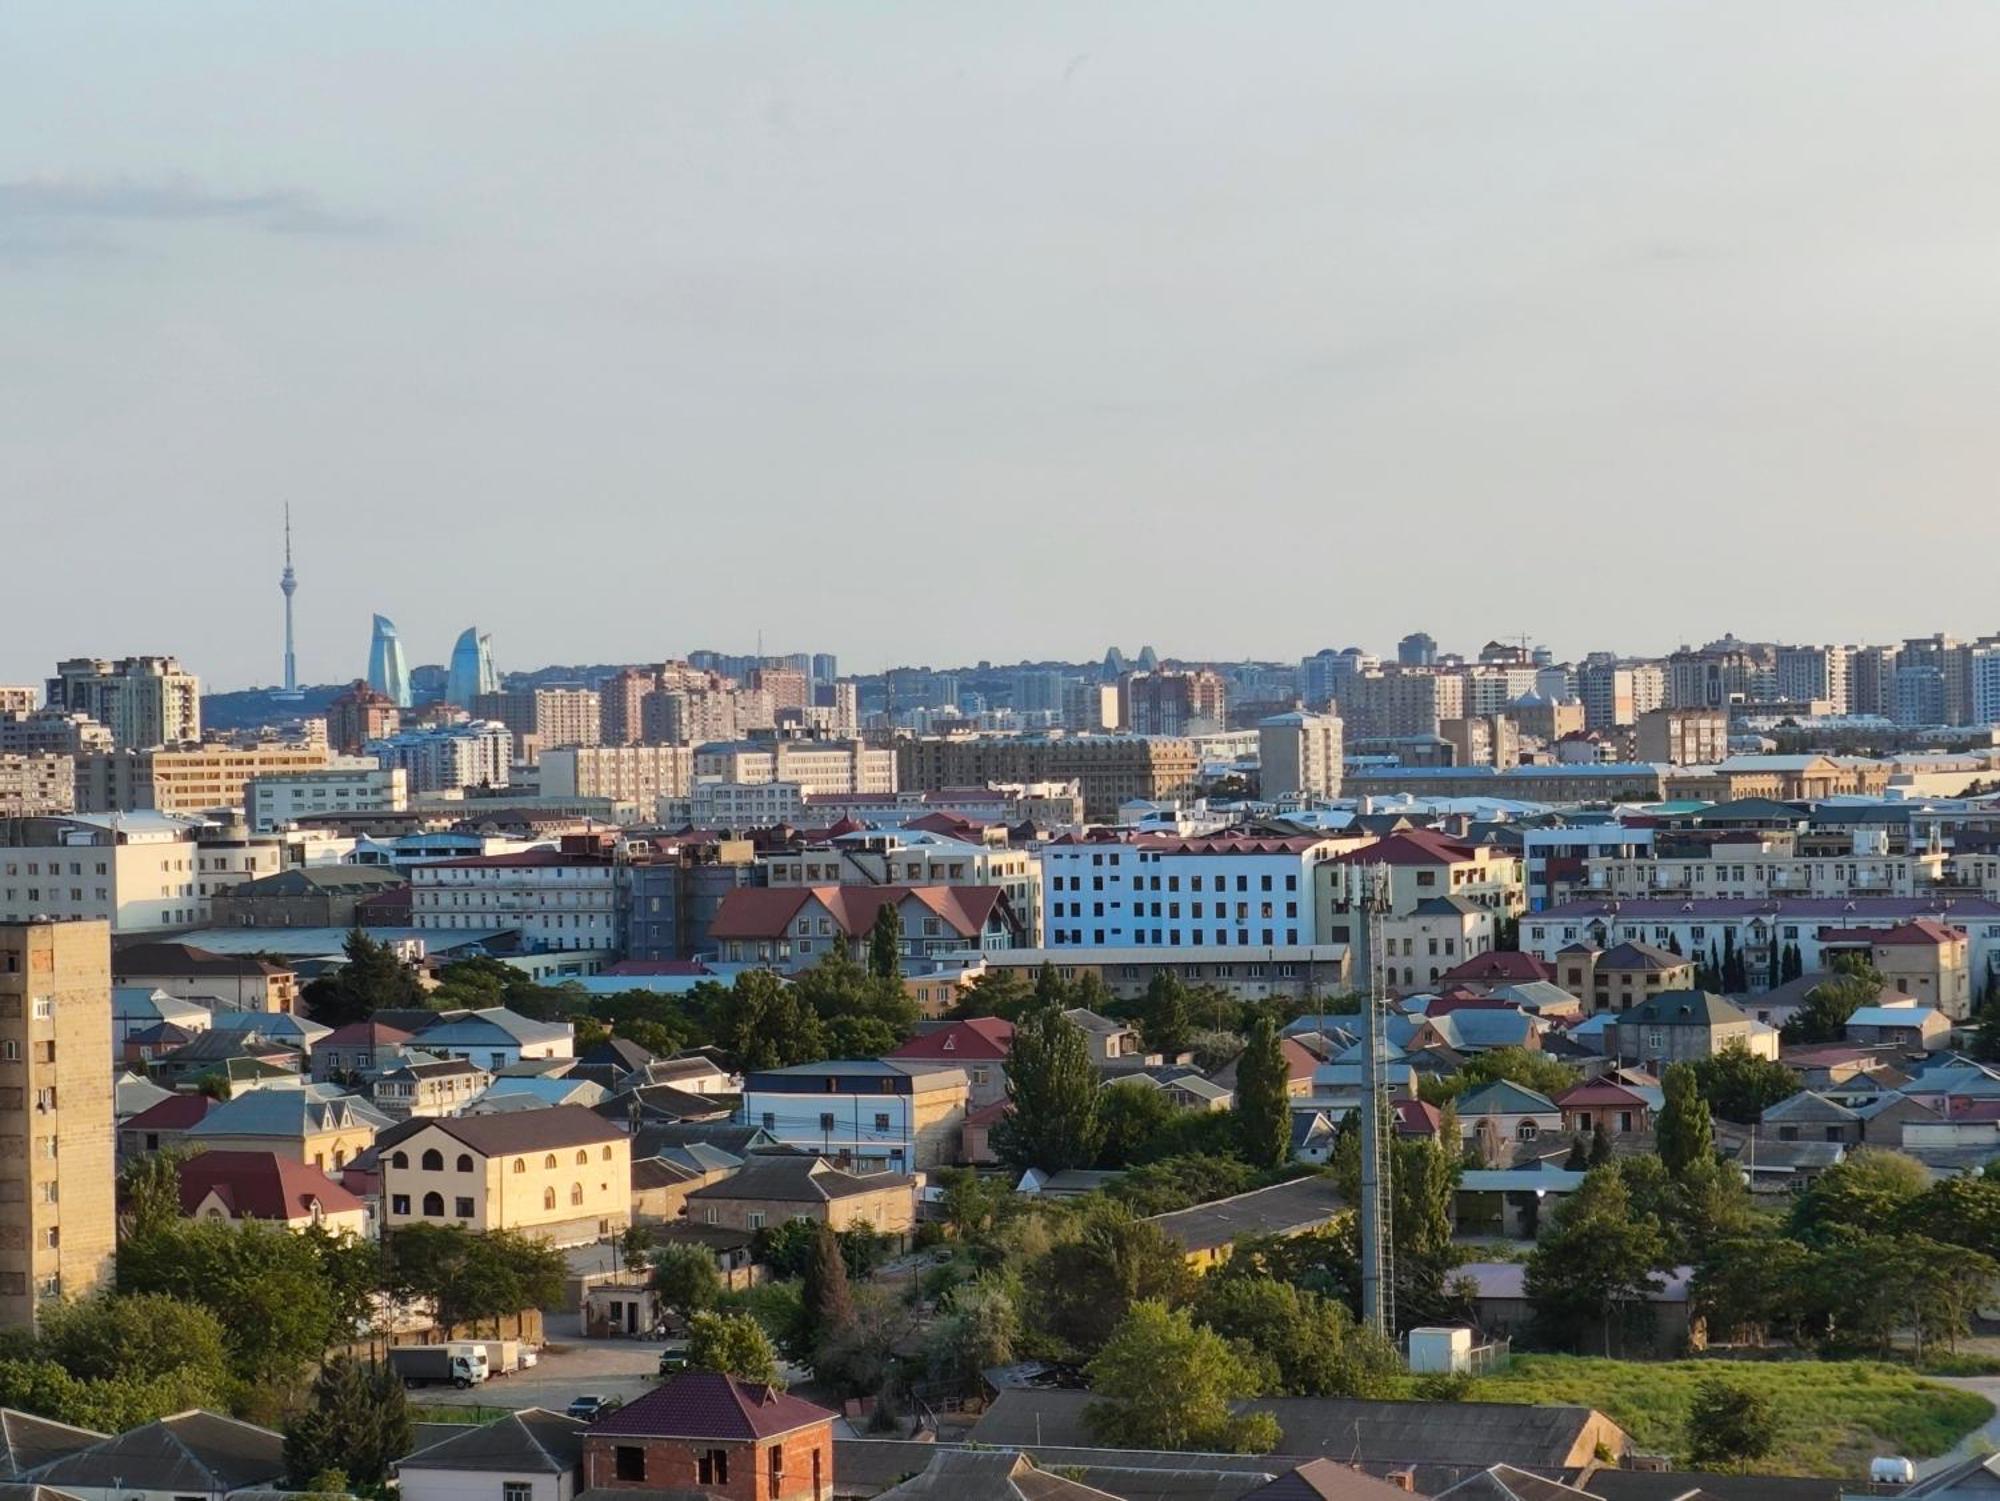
768	912
1598	1092
708	1404
523	860
1227	844
982	1037
363	1031
1501	966
176	1114
1416	1117
261	1185
986	1115
1411	847
1299	1059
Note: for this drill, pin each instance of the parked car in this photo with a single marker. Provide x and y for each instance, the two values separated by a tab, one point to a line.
591	1407
673	1361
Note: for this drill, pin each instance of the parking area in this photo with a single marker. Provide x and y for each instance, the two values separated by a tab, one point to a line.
569	1367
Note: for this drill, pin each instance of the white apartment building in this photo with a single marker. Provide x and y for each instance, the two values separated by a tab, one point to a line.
1985	668
478	753
272	802
1807	673
641	774
1165	891
1299	755
816	766
715	804
140	872
1753	870
557	900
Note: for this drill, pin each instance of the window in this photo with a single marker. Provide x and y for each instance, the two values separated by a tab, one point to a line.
549	1161
881	1122
399	1159
826	1121
399	1204
520	1164
465	1162
582	1157
433	1161
548	1198
629	1462
576	1193
607	1154
712	1467
516	1490
434	1205
1527	1131
777	1463
464	1207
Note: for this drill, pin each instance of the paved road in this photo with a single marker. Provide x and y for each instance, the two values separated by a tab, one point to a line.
1984	1439
622	1368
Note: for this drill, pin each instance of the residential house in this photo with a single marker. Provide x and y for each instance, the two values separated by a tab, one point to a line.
496	1037
164	1126
886	1114
1621	1109
1810	1116
1924	958
28	1442
1299	1066
191	1454
358	1049
1681	1026
707	1432
236	982
305	1124
139	1009
310	896
535	1094
979	1046
1909	1028
531	1455
421	1085
234	1186
1418	864
1433	937
1184	1086
975	1137
562	1174
612	1062
1500	1117
1503	1310
1620	977
1208	1232
788	927
774	1187
661	1185
244	1061
1509	1201
1110	1041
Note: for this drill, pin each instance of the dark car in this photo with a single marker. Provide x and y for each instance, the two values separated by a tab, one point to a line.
672	1362
590	1408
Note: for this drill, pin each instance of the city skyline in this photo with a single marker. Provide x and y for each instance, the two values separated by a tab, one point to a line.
1081	297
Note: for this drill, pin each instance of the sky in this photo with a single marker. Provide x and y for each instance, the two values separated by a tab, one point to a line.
934	332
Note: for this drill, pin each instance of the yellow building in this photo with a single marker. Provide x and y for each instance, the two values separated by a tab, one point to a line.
58	1226
304	1124
563	1174
189	779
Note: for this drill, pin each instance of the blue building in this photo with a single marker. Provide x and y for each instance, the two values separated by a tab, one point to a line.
388	673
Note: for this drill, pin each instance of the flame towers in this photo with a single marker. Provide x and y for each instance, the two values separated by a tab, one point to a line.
388	673
471	668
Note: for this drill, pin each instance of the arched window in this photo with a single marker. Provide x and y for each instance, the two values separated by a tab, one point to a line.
465	1162
550	1160
576	1193
548	1198
607	1154
433	1161
434	1205
520	1164
399	1159
340	1156
582	1157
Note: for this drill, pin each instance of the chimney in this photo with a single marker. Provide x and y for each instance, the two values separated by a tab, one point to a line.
1402	1480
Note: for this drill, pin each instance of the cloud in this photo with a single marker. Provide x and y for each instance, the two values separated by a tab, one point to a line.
169	200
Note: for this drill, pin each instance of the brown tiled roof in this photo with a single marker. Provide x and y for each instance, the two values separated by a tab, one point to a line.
767	912
261	1185
511	1131
708	1404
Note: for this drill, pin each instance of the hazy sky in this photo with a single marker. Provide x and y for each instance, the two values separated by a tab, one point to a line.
940	331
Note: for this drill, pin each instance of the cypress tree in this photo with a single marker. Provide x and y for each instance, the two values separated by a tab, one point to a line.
1053	1087
1263	1106
1686	1135
885	944
829	1302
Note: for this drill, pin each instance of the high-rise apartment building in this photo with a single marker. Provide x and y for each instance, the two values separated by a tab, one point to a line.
478	753
58	1227
1174	703
641	774
1812	673
1111	769
1395	704
1300	756
619	698
31	785
788	687
1986	684
51	732
1872	681
1418	649
1684	737
197	779
359	714
143	701
19	699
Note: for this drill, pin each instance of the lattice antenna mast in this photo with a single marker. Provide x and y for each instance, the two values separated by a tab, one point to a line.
1378	1253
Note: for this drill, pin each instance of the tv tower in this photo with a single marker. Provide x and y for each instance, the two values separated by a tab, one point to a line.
288	583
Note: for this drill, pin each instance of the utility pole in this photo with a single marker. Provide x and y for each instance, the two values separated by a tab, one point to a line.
1378	1272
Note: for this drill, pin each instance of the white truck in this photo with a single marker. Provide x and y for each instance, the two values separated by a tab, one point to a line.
461	1363
505	1356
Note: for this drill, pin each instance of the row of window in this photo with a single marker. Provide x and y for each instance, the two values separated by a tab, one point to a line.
1172	937
1173	883
432	1161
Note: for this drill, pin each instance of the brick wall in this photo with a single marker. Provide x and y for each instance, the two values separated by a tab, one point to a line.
675	1464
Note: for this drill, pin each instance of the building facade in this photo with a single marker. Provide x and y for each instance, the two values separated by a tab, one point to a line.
557	900
143	701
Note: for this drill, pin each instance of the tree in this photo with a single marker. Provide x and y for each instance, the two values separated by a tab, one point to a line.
1684	1132
829	1303
635	1246
1961	1211
1752	1287
469	1277
373	979
1162	1014
149	1191
1600	1146
1053	1124
355	1420
1086	1286
1532	1070
1739	1087
1823	1017
976	1329
1729	1424
1870	1186
685	1279
735	1344
995	992
1594	1263
1263	1101
760	1023
1300	1343
1132	1117
139	1337
885	944
1166	1383
1181	1182
786	1248
1578	1158
1986	1039
967	1202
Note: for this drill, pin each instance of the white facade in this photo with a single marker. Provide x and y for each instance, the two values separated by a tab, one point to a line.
475	754
272	802
641	774
816	766
557	901
139	876
1299	755
417	1483
715	804
1806	673
1169	892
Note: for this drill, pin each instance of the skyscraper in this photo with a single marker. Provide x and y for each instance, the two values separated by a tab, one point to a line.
471	668
288	585
388	673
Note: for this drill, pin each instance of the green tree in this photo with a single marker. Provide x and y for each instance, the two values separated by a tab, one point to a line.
1684	1133
635	1246
373	979
829	1303
145	1337
1595	1262
885	944
1086	1286
354	1420
685	1279
469	1277
1053	1086
1823	1017
978	1327
1300	1343
1578	1158
1164	1024
1729	1423
1960	1211
1164	1382
1530	1069
1752	1287
967	1202
1133	1117
1601	1152
1869	1187
734	1343
995	992
786	1248
1180	1182
1740	1087
1986	1038
760	1023
149	1191
1263	1101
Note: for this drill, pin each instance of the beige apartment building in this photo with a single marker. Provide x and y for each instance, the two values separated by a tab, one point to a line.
1111	770
32	785
135	871
1751	870
813	766
885	857
1684	737
190	779
143	701
641	774
58	1212
1386	705
563	1174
